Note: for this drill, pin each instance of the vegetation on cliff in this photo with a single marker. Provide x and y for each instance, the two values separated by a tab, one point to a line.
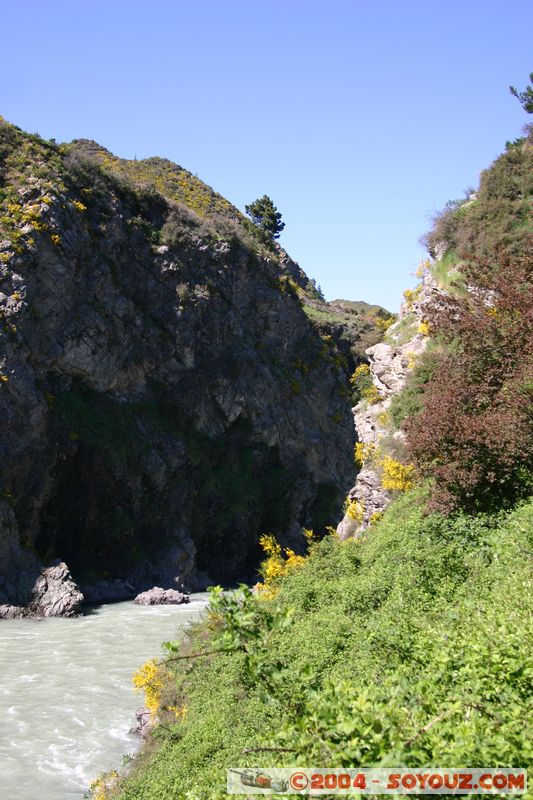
468	407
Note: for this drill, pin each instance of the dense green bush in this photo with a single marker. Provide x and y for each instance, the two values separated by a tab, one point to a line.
410	400
409	648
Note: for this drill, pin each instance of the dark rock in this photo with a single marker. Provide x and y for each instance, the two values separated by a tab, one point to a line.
144	722
105	591
161	597
166	400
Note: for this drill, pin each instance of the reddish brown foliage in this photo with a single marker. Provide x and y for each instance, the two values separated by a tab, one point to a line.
474	435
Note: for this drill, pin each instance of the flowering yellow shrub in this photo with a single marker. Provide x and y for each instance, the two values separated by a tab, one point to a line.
150	678
375	517
361	371
363	452
371	395
423	328
101	787
423	268
180	712
355	510
411	359
55	238
396	477
384	323
79	206
361	380
277	563
410	295
383	418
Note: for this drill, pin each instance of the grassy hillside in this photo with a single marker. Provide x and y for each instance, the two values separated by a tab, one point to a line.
353	326
174	207
409	647
163	176
497	216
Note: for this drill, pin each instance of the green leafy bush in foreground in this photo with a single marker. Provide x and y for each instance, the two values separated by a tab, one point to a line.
410	647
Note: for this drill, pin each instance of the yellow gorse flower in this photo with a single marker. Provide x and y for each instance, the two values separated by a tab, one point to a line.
355	510
278	564
396	477
150	678
363	452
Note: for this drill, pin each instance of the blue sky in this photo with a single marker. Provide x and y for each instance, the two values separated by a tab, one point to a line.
360	119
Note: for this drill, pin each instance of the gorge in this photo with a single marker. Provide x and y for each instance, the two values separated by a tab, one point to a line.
176	398
171	385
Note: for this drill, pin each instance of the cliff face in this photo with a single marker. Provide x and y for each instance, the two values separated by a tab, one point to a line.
390	363
164	398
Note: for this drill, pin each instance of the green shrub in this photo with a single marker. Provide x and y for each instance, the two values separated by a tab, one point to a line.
408	648
410	400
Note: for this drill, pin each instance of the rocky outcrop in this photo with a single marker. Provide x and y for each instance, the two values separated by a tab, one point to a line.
390	362
144	722
161	597
12	612
54	594
164	398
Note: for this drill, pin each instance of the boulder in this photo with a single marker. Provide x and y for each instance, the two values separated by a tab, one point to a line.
144	722
161	597
11	612
55	594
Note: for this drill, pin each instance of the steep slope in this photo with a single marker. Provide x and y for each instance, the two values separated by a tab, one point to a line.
350	326
465	404
378	444
164	398
408	644
376	651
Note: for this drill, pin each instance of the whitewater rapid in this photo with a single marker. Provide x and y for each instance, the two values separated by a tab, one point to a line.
66	698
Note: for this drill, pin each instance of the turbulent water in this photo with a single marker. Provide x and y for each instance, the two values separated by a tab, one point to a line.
66	698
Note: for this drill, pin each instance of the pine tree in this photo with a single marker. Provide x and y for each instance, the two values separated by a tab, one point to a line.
265	215
525	97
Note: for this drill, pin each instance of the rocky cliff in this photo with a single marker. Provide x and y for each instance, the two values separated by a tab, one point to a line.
164	398
390	363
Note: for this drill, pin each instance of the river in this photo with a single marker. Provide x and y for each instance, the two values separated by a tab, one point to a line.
66	698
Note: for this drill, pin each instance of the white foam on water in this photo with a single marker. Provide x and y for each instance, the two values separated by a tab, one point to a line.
67	696
28	678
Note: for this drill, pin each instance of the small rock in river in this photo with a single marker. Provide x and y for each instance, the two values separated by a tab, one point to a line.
161	597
